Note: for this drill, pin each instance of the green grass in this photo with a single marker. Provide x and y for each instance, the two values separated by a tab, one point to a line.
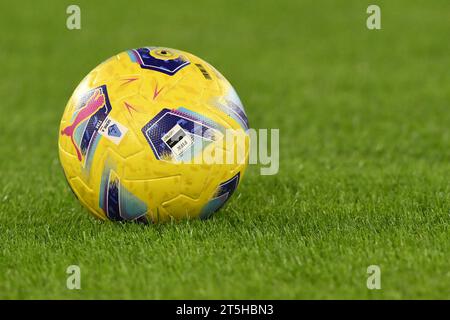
364	137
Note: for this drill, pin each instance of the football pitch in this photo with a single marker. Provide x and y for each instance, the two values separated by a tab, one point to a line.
364	153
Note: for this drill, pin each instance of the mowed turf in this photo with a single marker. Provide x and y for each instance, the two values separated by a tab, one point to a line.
364	153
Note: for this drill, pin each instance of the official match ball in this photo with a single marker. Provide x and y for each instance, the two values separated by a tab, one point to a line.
154	134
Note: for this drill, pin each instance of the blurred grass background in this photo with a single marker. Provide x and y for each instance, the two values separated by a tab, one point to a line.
364	149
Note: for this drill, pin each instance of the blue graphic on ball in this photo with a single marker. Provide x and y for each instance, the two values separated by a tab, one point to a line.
114	131
167	65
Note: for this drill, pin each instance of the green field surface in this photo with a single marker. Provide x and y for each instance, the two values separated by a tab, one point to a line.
364	153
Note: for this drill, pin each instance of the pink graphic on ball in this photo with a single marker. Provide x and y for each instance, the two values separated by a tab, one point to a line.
95	102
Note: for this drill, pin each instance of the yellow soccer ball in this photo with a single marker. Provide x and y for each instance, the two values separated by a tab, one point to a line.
154	134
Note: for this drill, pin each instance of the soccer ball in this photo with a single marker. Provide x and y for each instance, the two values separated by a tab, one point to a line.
139	132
